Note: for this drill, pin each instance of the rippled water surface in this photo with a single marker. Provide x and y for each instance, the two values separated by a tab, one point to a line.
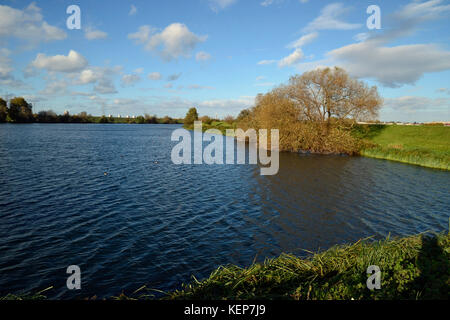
151	222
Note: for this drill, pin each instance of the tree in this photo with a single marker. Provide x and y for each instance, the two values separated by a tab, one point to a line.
103	119
324	94
140	120
315	111
47	116
20	110
191	116
3	110
150	119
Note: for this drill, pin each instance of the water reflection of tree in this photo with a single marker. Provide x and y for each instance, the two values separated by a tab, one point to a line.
313	202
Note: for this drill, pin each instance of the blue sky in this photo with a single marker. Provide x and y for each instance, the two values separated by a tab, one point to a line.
162	57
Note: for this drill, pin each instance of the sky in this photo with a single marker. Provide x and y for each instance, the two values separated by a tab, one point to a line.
163	57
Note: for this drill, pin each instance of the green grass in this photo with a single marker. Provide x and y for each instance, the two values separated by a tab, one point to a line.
416	267
427	146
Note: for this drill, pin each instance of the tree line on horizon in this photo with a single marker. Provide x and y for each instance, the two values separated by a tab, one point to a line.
20	111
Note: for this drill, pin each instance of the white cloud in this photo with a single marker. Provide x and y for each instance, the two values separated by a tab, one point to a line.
259	78
300	42
362	36
291	59
264	62
217	5
28	25
56	88
133	10
329	19
415	103
101	77
5	64
71	63
130	79
391	66
227	105
155	76
202	56
93	34
175	41
105	86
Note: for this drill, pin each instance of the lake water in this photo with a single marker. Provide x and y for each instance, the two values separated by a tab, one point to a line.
151	222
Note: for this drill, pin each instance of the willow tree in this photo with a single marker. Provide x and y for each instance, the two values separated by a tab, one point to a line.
325	94
313	109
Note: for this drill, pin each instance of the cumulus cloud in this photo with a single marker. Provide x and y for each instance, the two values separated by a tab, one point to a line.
291	59
329	19
392	66
93	34
155	76
202	56
27	24
175	41
73	62
101	77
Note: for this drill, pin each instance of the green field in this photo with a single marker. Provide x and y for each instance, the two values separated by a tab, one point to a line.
427	146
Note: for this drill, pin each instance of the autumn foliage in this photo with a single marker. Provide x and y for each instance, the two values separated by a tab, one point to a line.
315	111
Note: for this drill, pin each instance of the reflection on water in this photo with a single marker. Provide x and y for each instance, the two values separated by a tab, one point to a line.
151	222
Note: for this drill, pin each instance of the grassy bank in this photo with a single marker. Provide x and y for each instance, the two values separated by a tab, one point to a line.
416	267
422	145
427	146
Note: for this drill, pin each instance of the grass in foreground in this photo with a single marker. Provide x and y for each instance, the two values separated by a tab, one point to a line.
427	146
416	267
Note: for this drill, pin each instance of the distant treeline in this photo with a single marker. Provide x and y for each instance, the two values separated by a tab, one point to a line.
20	111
